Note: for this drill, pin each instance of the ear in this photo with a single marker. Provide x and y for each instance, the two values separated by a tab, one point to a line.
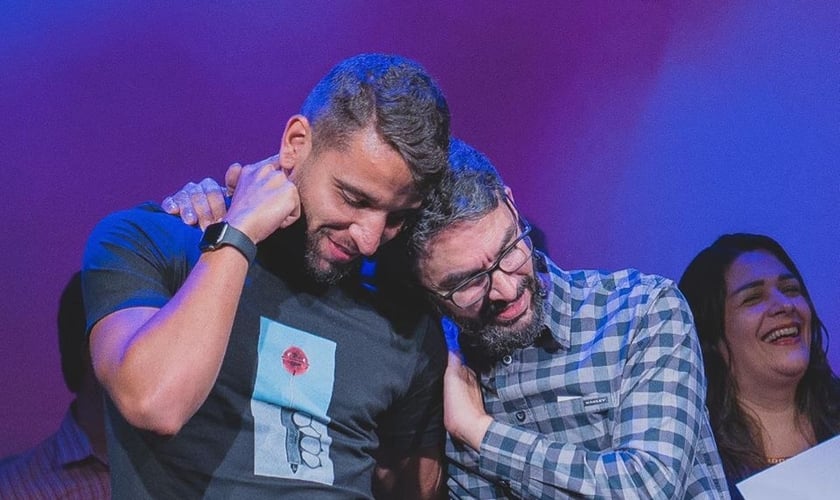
509	194
297	143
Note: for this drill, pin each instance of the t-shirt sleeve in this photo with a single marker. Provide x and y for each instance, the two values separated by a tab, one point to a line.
415	421
136	258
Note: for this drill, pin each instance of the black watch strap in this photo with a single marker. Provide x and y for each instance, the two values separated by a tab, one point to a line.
221	234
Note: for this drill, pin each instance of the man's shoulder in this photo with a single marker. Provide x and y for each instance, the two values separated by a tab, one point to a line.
27	464
146	222
40	472
146	214
596	291
619	281
13	464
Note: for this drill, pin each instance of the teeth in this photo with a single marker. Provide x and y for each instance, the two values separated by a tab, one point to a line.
790	331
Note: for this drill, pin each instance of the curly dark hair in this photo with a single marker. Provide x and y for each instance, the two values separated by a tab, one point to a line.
470	189
818	393
394	95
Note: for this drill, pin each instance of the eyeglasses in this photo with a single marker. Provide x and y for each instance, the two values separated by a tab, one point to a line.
473	289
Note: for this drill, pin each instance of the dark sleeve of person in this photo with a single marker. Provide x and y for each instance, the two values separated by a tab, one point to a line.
136	258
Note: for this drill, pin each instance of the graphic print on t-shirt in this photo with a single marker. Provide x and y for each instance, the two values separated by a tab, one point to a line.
295	378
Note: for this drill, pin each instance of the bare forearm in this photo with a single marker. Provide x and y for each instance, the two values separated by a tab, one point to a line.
159	365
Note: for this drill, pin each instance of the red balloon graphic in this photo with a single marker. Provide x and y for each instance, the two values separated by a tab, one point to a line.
295	360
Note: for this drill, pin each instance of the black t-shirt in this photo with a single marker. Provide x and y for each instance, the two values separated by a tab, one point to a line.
314	378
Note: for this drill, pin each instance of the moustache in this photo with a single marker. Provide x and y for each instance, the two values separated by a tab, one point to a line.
492	308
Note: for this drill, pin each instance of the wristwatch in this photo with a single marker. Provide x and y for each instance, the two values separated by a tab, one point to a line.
221	233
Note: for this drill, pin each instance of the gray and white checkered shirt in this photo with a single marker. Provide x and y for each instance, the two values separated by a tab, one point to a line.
609	404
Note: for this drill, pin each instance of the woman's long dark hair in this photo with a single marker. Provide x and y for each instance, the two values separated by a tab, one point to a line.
818	394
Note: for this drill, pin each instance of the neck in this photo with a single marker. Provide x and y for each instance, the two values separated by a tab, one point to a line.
785	431
767	398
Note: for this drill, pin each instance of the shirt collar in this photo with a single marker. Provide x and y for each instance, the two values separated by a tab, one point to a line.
73	444
557	308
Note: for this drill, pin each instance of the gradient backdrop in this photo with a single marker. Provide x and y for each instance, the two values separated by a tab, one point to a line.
633	133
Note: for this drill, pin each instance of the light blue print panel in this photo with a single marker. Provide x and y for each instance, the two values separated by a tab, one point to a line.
294	386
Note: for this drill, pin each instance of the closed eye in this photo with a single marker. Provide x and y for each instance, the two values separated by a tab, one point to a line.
751	299
354	200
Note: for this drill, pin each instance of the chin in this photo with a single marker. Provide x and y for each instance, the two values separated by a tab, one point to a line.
800	363
323	271
498	339
332	274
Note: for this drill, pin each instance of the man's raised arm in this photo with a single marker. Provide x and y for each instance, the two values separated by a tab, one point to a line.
159	364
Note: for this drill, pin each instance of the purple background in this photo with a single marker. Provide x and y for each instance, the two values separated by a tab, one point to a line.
632	133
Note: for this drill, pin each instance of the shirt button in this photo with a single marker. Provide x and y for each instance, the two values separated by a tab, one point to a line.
507	359
520	415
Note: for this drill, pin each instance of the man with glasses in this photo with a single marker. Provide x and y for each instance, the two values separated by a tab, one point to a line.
566	383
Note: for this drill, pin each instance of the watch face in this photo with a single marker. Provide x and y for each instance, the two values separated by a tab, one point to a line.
212	236
221	234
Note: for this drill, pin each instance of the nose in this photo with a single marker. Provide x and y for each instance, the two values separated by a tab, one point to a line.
503	286
368	232
782	303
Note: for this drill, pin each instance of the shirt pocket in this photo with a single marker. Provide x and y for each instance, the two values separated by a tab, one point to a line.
582	420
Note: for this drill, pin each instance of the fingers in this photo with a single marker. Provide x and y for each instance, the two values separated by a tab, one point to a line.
205	202
265	199
232	177
234	171
294	213
209	202
169	206
201	203
179	204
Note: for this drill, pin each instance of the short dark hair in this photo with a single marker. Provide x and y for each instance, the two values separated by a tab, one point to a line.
818	394
470	189
71	333
395	96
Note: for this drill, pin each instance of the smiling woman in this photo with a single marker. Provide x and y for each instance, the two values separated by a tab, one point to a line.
771	392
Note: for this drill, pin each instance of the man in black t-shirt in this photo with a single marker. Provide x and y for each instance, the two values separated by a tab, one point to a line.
239	363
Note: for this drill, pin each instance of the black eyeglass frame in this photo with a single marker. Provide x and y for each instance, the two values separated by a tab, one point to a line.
524	231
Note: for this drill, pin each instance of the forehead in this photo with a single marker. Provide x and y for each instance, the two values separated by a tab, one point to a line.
468	245
369	166
752	266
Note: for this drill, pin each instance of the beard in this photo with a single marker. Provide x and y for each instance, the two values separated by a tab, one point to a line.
293	252
495	340
315	265
319	269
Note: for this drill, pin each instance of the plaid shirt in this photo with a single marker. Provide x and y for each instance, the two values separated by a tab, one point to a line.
63	466
608	403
